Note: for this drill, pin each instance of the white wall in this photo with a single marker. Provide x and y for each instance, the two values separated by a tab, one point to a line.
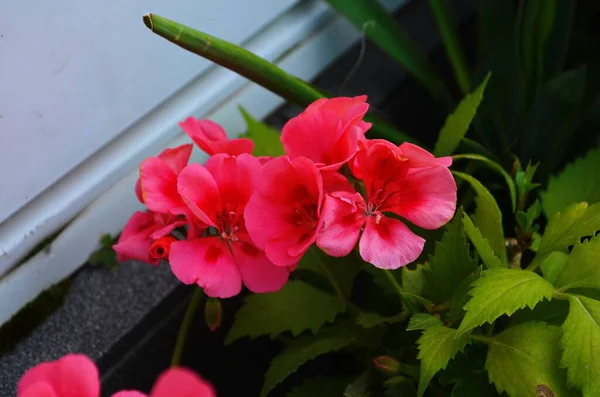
93	140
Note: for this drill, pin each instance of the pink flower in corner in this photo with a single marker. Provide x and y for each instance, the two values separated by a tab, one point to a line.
410	183
73	375
176	382
283	214
216	195
212	139
142	232
327	132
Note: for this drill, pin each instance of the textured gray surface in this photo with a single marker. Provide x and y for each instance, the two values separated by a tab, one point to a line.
102	306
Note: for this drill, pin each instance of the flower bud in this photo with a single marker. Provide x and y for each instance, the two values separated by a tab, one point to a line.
386	365
213	313
160	248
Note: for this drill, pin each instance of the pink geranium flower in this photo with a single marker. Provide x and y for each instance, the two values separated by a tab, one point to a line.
406	181
75	375
212	139
283	214
142	231
216	195
327	132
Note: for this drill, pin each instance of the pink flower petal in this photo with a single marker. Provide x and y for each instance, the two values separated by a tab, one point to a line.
236	177
288	247
259	274
419	157
208	262
129	393
264	219
178	157
341	221
349	110
335	182
389	243
212	139
135	240
73	375
200	192
38	390
425	196
312	135
159	187
180	382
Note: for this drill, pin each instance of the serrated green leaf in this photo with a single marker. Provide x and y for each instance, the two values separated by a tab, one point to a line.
461	296
298	353
577	182
567	227
490	260
524	358
296	307
457	124
581	345
450	264
413	282
370	320
494	166
553	312
266	139
319	387
423	321
437	346
503	291
487	217
583	267
553	266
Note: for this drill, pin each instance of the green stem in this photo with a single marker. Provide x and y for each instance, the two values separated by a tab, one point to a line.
447	27
185	326
483	339
332	280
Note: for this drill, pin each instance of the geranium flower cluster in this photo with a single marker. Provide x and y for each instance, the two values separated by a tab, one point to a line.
75	375
250	220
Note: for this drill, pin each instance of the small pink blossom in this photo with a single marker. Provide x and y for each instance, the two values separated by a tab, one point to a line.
410	183
142	230
212	139
327	132
216	195
75	375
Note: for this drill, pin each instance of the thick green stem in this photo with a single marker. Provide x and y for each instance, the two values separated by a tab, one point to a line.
447	27
185	326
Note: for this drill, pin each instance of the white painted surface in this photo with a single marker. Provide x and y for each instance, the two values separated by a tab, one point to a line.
315	38
74	74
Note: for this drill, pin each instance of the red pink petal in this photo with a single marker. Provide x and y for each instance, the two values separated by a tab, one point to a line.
200	192
341	223
180	382
207	262
387	243
212	139
259	274
159	187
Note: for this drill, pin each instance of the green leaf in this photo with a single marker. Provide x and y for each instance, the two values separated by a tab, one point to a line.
451	262
457	124
437	346
490	260
423	321
583	267
413	282
360	387
567	227
576	183
254	68
370	320
494	166
461	296
319	387
296	307
344	270
266	139
503	291
553	312
487	217
524	359
581	345
298	353
381	27
553	266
